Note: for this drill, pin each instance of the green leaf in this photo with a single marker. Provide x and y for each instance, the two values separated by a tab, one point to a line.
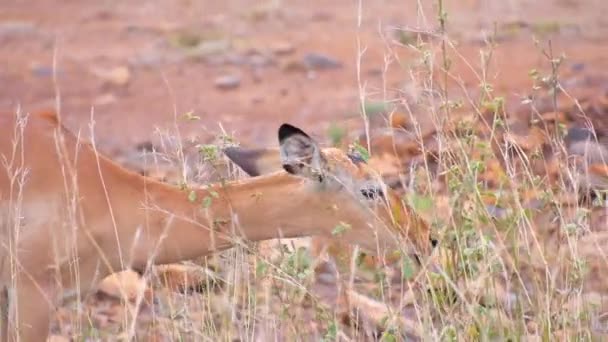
375	107
208	152
407	268
190	116
420	202
207	201
340	228
362	151
332	332
388	336
336	134
192	196
261	268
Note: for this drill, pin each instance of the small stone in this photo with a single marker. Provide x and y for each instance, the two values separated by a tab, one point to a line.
126	285
260	61
321	16
154	58
497	212
578	67
16	28
257	74
210	47
282	48
320	61
226	82
118	76
235	59
374	72
42	70
105	99
293	66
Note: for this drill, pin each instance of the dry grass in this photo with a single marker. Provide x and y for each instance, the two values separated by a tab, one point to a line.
519	259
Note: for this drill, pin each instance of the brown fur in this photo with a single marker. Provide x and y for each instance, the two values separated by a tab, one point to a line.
336	162
69	217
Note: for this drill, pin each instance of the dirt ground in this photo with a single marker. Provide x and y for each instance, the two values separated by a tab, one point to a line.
137	65
242	67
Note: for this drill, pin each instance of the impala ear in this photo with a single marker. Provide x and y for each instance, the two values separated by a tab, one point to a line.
255	162
300	154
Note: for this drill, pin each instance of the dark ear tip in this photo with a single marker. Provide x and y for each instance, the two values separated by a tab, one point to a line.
231	152
243	158
286	130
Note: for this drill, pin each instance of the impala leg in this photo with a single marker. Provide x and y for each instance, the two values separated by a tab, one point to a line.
3	314
29	315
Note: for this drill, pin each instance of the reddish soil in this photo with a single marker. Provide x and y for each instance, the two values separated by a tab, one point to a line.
87	40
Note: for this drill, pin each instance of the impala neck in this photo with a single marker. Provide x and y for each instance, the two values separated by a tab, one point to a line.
185	224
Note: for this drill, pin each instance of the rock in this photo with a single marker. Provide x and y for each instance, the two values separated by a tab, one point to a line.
293	66
318	61
119	76
126	285
16	28
105	99
155	56
321	16
209	47
577	67
282	48
375	72
42	70
497	212
226	82
259	61
235	59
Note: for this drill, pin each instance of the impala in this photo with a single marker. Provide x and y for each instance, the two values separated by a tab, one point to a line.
70	216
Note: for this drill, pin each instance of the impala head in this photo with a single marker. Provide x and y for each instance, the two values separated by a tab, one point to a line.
372	215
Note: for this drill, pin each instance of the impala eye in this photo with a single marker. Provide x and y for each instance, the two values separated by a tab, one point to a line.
372	193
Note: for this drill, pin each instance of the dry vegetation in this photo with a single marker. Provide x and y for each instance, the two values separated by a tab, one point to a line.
512	190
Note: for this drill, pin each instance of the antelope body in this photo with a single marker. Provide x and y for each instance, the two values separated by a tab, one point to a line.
70	216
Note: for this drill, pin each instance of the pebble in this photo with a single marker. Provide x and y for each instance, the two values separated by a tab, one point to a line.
14	28
320	61
321	16
105	99
42	70
259	61
578	67
282	48
226	82
118	76
497	212
125	285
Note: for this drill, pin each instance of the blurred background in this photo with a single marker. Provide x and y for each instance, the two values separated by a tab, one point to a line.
201	72
251	65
